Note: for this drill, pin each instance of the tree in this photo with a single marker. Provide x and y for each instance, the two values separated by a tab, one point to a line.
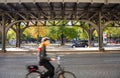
112	29
35	32
53	33
61	32
70	33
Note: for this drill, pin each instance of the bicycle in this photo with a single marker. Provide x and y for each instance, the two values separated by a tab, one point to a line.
35	72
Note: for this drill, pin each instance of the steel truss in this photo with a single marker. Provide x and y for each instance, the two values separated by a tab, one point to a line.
97	15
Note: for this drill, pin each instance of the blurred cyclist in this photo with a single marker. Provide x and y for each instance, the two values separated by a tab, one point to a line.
44	59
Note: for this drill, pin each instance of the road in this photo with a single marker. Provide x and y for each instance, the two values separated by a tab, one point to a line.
97	65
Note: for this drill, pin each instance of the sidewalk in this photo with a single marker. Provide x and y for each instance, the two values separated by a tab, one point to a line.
56	47
61	50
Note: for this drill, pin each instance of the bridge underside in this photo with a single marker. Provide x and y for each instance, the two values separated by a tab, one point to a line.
60	11
98	13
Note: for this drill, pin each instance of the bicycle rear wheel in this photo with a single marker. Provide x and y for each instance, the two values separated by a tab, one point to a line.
34	74
66	74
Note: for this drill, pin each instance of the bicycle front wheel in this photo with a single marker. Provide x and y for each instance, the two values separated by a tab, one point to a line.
33	75
66	74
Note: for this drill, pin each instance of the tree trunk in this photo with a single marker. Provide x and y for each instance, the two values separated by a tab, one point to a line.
62	40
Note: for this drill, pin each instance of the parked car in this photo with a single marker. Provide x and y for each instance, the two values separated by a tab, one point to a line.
80	43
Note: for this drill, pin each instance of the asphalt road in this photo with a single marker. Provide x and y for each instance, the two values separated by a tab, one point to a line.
83	65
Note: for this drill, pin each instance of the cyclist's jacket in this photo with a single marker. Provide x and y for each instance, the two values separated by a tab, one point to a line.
42	53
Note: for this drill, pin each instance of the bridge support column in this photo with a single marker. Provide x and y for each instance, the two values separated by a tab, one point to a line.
18	35
90	31
100	33
3	34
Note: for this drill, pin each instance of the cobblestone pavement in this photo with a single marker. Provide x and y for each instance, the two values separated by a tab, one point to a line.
83	65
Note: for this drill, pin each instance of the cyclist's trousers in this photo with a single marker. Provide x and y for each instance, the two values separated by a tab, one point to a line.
49	67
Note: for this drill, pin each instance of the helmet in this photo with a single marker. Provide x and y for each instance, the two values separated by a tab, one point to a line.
45	39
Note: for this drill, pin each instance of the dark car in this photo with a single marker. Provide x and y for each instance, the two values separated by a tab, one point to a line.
80	43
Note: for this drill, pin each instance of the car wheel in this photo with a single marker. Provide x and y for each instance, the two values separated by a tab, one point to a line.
86	46
73	46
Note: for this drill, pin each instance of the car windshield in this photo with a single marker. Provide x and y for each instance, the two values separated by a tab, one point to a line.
81	41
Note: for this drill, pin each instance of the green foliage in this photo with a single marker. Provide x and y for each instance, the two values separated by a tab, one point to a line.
35	32
56	32
70	33
53	33
95	34
26	32
112	31
83	36
11	34
24	36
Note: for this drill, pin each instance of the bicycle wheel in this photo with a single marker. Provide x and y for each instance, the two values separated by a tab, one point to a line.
66	74
33	75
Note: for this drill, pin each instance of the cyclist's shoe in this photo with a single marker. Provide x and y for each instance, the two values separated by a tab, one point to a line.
43	76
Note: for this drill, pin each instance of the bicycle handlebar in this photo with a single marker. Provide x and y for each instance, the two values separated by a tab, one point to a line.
58	59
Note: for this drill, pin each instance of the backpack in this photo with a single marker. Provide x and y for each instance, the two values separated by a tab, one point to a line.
39	49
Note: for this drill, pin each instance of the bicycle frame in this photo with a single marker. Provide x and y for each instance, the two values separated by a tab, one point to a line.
59	71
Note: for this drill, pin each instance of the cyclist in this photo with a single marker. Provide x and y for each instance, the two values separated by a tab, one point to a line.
44	59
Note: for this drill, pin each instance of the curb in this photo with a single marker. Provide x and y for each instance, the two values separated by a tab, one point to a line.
59	52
